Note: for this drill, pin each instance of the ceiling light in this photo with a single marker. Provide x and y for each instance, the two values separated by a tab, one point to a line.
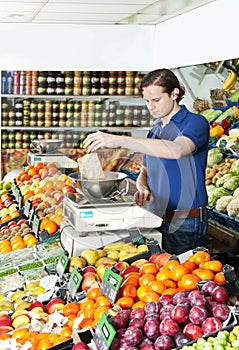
15	15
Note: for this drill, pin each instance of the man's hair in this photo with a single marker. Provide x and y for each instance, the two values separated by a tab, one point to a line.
164	78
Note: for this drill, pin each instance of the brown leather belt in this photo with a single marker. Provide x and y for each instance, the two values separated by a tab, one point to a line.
174	215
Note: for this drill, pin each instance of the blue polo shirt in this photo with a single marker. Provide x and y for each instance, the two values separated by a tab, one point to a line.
179	184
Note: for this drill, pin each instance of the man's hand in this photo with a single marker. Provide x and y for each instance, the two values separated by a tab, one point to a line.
100	139
141	197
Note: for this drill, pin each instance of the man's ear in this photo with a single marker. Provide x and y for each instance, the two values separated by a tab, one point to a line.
175	93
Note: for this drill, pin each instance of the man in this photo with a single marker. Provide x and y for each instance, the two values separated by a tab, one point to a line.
172	178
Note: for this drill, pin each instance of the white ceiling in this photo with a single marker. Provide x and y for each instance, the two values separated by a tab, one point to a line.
94	12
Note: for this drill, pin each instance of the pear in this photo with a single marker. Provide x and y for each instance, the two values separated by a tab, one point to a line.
105	260
101	253
91	256
114	254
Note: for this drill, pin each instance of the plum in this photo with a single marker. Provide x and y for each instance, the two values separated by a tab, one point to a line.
211	324
166	299
80	346
146	342
193	331
147	347
137	322
199	301
169	327
180	297
165	311
220	294
208	287
152	316
179	313
152	307
164	342
151	329
138	312
120	321
194	294
221	311
181	339
115	344
133	336
120	332
198	314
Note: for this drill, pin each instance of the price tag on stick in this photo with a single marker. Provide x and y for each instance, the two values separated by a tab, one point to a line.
62	264
110	284
36	225
104	333
74	282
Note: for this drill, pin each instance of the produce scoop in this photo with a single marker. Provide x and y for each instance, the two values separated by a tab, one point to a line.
94	224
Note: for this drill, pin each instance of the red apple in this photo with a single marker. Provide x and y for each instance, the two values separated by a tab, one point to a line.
2	206
21	321
88	269
121	266
160	258
19	313
55	304
5	322
140	262
4	228
90	279
12	224
35	202
69	189
130	269
22	222
101	269
38	305
5	329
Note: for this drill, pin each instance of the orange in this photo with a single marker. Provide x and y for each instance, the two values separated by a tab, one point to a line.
163	274
5	336
15	214
172	291
86	322
59	185
140	303
71	320
170	264
190	266
48	185
169	283
213	265
102	301
5	243
201	257
189	281
204	274
59	340
128	290
18	245
51	227
219	278
30	240
28	196
44	220
148	268
151	296
66	332
71	308
28	168
93	293
125	302
131	280
87	304
16	239
44	344
145	279
157	286
6	218
20	333
132	274
141	291
38	166
5	250
99	311
25	177
177	272
32	172
90	313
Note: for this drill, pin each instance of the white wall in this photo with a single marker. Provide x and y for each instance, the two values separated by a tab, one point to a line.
206	34
76	47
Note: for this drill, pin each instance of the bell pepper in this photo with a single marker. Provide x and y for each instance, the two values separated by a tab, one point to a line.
217	131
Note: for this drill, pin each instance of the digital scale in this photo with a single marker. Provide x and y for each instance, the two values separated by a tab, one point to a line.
93	224
59	158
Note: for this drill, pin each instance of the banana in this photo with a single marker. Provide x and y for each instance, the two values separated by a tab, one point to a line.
230	81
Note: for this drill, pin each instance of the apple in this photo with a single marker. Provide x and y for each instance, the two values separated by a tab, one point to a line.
35	202
129	269
21	321
55	304
121	266
12	224
4	228
5	329
90	279
36	306
80	346
2	206
19	313
160	258
140	262
100	270
69	189
5	322
22	222
88	269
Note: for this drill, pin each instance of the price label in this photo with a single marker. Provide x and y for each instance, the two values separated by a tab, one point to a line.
62	264
32	214
20	200
35	224
14	189
27	208
104	333
74	282
110	284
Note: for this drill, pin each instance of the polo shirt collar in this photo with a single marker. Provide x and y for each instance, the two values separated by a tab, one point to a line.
176	118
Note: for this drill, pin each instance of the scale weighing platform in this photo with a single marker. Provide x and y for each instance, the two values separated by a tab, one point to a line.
57	157
107	220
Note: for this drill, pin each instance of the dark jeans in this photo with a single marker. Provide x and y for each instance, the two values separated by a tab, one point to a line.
184	234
